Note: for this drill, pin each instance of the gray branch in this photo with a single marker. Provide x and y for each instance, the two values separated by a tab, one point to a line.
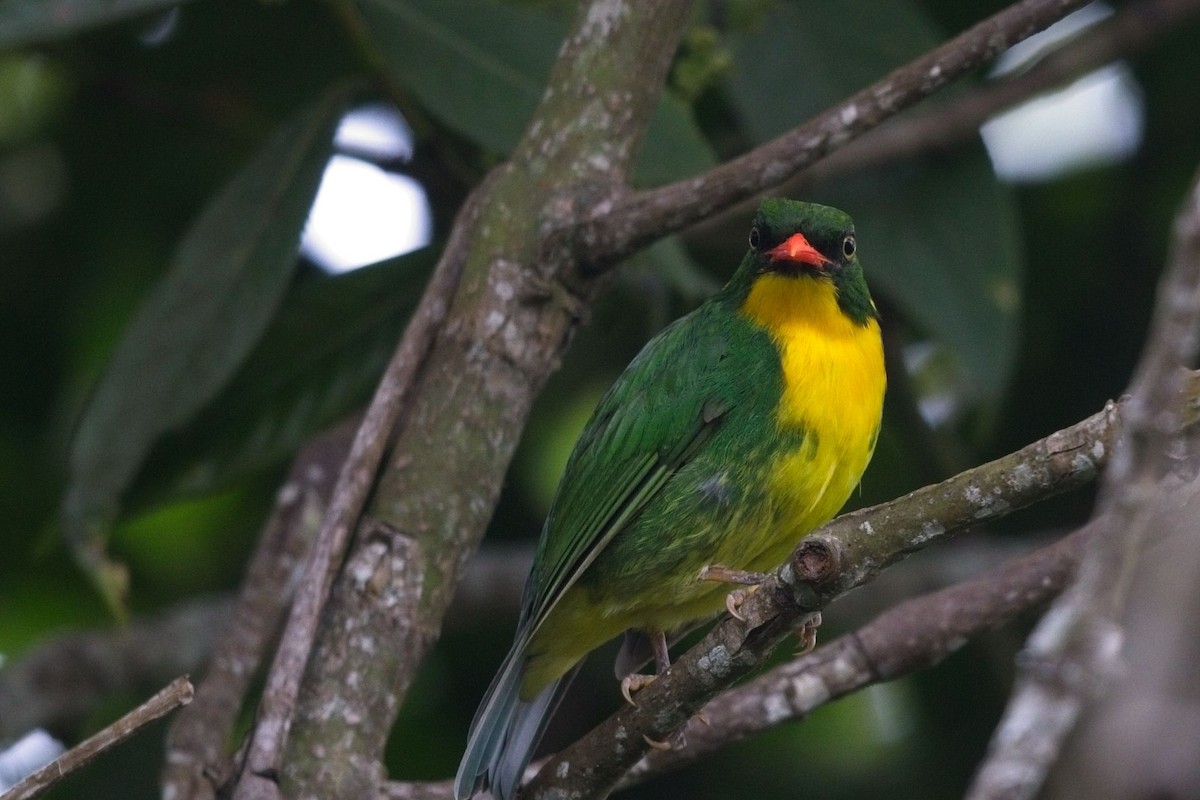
1071	654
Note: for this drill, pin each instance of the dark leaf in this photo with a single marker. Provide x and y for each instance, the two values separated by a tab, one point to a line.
199	322
25	22
317	363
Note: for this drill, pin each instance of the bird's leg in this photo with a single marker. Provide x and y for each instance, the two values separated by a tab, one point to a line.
662	659
734	600
633	683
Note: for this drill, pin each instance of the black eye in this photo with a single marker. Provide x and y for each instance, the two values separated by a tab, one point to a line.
754	238
849	247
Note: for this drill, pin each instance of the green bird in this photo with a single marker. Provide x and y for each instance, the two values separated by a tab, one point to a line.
735	431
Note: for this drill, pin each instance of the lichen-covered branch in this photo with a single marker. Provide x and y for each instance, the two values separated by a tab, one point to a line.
266	746
198	737
908	637
1071	653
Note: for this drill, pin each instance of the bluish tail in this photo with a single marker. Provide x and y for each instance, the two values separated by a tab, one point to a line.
505	731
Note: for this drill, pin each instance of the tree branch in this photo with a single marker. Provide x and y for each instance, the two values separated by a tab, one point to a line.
610	233
178	693
1141	738
199	735
264	755
1132	28
62	680
1070	655
911	636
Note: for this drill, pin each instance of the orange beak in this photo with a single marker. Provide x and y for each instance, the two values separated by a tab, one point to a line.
796	248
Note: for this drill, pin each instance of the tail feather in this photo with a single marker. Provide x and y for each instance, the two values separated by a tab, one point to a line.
505	732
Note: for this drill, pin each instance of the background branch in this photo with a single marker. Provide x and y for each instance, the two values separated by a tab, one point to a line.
59	683
198	738
1142	739
178	693
1071	653
1132	28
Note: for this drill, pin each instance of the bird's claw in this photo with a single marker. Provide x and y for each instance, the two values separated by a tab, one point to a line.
656	744
635	683
735	599
806	632
676	741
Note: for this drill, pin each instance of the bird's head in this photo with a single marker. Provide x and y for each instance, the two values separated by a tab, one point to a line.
797	241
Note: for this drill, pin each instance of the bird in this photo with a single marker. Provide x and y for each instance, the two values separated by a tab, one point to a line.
735	431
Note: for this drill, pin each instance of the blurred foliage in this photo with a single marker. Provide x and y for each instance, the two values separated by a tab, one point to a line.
164	345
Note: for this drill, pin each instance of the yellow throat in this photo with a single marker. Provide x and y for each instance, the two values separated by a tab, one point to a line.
833	385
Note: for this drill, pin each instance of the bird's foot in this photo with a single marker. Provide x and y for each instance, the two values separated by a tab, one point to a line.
806	632
633	683
676	741
735	599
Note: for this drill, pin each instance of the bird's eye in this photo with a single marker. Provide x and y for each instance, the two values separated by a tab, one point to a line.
849	247
755	236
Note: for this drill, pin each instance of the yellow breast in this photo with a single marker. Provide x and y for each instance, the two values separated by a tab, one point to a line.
834	380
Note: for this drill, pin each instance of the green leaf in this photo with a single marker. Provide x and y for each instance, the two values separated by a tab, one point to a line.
25	22
938	235
674	148
198	323
316	364
481	67
941	238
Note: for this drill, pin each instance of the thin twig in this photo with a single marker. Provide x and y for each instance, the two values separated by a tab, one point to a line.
1070	655
177	693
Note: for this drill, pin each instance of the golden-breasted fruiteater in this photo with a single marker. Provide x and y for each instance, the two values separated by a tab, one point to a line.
734	432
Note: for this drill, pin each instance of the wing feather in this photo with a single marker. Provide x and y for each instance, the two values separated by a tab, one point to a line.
653	421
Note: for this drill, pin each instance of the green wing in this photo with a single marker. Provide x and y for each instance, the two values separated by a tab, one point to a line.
657	416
